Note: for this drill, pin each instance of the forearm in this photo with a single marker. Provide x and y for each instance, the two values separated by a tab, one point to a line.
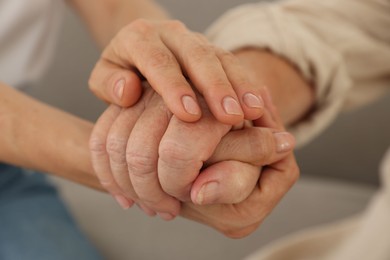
292	95
37	136
303	33
105	18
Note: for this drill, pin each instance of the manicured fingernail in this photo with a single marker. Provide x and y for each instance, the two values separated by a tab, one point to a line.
253	101
123	202
284	142
231	106
190	105
166	216
207	193
119	87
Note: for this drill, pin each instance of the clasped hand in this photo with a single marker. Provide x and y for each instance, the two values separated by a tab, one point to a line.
155	155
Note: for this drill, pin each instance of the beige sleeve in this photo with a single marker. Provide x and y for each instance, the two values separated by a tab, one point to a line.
343	46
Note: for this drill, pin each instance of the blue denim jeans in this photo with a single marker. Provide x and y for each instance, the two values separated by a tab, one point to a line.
34	222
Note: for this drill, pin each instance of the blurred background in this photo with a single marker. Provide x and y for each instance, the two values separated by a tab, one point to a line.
339	169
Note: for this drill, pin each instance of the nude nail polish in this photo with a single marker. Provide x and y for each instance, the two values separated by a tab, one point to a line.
231	106
190	105
119	88
253	101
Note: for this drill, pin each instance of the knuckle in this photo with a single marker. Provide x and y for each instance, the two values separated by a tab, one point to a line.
201	52
116	148
141	25
226	55
215	85
241	81
179	160
255	136
229	59
175	154
260	145
97	145
175	25
267	151
201	38
160	59
140	165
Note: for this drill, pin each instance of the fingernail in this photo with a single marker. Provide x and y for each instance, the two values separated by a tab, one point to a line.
207	193
119	87
284	142
190	105
146	210
123	202
231	106
166	216
253	101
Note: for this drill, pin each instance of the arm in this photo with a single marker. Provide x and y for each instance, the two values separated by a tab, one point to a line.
126	145
106	17
160	60
327	42
37	136
291	93
41	137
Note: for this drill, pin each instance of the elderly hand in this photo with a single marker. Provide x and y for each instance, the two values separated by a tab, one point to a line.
236	161
169	56
143	154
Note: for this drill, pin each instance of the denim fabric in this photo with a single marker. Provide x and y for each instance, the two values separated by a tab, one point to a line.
34	223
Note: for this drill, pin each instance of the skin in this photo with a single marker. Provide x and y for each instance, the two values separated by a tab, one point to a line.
244	196
20	127
37	136
146	135
262	67
105	18
158	50
41	137
163	167
107	72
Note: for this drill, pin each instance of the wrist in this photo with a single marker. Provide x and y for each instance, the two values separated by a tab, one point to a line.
291	93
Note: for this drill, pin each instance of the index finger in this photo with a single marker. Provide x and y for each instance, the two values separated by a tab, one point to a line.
139	47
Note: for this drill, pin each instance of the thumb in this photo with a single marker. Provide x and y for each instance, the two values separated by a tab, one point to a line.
225	182
115	84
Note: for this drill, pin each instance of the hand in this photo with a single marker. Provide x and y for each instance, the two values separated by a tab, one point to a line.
237	220
186	148
169	56
111	166
118	163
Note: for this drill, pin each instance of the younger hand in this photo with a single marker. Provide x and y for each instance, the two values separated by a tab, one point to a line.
169	56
